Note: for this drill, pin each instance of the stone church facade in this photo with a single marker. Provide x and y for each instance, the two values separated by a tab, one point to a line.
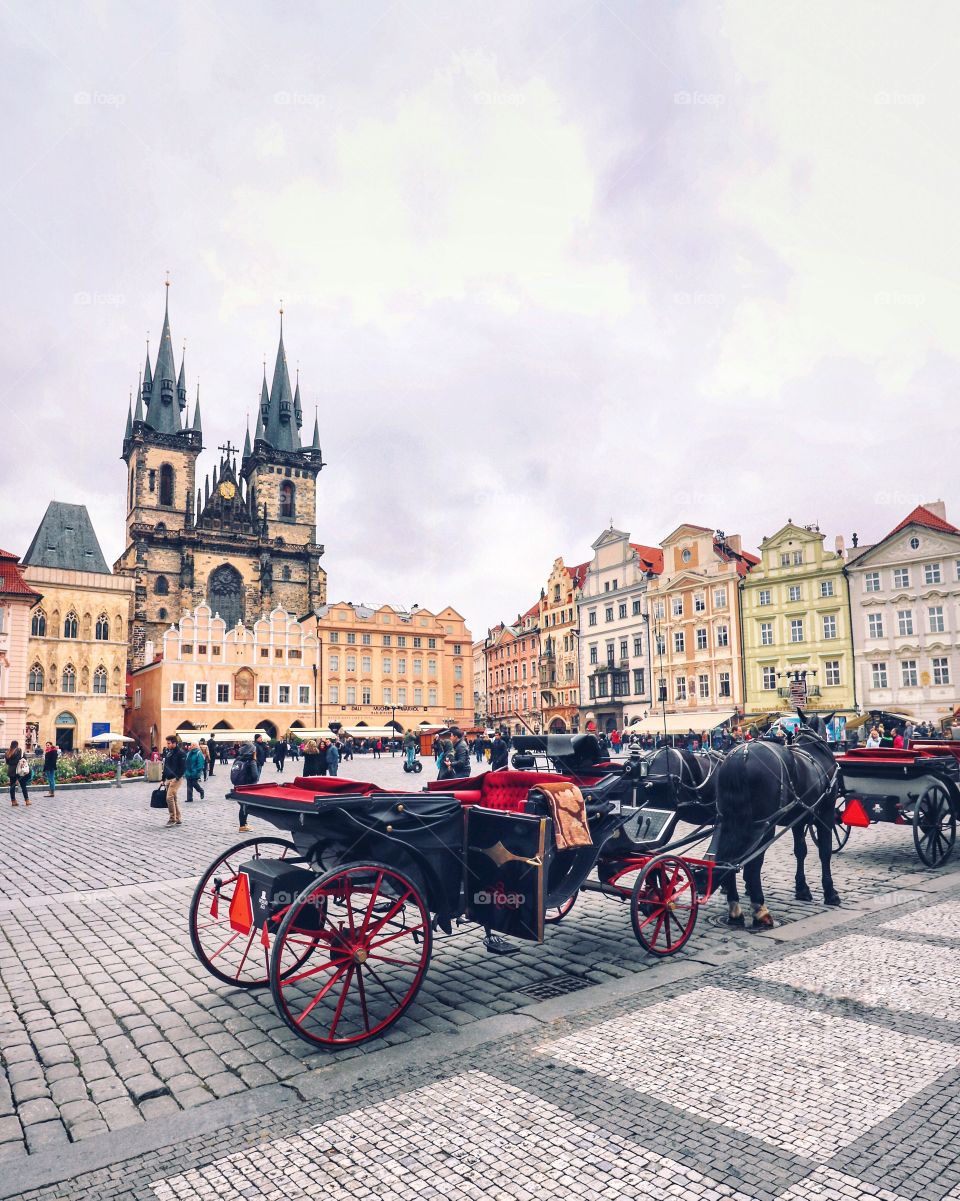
245	543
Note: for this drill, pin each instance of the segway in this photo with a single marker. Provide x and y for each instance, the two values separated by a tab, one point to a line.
416	766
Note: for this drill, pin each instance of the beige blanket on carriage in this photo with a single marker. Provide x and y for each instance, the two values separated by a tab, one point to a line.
569	813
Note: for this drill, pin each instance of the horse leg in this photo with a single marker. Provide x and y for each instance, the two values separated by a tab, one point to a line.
751	878
801	887
734	912
830	894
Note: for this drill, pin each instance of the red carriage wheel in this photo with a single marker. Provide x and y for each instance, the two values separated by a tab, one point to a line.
663	905
234	957
370	927
552	916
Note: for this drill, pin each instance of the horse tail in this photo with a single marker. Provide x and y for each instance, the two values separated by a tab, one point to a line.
734	805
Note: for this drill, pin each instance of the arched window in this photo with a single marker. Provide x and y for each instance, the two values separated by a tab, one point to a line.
285	574
287	501
70	625
38	624
118	628
132	478
100	681
35	683
68	681
225	594
103	628
166	484
161	585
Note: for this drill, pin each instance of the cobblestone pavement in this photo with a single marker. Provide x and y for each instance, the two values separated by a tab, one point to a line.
817	1060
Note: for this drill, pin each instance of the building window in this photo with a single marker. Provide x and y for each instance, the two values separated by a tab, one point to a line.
432	696
875	625
223	694
637	645
283	694
365	695
905	621
723	636
263	694
622	611
593	653
387	640
458	700
137	698
826	588
166	485
351	694
769	683
901	577
458	648
679	641
35	682
351	638
608	613
935	614
401	640
700	603
417	642
100	681
931	573
661	647
334	636
432	668
457	669
334	694
334	662
366	664
681	688
941	671
702	638
793	592
401	666
418	667
624	648
621	683
831	669
178	693
763	596
592	617
68	681
796	629
351	663
287	501
636	610
102	630
871	581
766	633
38	624
303	694
658	610
908	673
401	696
592	688
387	665
432	645
724	682
662	689
878	672
387	694
603	686
785	559
703	686
70	625
829	626
676	606
638	681
719	598
366	639
418	696
200	694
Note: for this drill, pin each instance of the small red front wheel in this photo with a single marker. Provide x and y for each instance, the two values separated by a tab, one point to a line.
552	916
369	928
663	905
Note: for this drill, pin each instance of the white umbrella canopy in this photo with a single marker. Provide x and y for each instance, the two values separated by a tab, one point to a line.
105	738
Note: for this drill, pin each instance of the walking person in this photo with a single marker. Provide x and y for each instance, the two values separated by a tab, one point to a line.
205	751
461	754
192	771
18	772
499	754
378	748
260	750
333	759
312	759
279	755
212	751
174	767
295	750
51	753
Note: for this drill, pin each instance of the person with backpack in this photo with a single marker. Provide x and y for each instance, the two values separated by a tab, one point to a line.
51	754
260	750
193	770
18	772
245	769
174	768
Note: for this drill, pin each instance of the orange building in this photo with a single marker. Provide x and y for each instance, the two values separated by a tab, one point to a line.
17	598
559	654
513	676
696	657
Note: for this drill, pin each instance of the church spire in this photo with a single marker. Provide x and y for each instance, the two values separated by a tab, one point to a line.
281	428
246	440
129	430
316	432
196	411
182	379
163	406
138	411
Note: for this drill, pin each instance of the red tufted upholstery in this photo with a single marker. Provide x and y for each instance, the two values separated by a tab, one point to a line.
506	790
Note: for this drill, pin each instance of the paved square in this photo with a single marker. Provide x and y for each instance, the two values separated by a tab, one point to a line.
470	1136
827	1185
908	977
942	921
807	1082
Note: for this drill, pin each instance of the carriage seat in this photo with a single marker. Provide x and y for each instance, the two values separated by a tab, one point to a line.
334	785
504	790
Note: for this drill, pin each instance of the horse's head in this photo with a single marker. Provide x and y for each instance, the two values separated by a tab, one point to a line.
816	724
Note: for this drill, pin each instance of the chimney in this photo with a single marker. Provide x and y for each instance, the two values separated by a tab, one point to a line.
839	545
937	508
735	542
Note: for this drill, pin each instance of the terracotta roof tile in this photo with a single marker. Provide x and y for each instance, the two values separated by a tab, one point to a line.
12	582
923	516
651	556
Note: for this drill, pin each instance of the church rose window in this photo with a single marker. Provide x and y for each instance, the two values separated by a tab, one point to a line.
225	594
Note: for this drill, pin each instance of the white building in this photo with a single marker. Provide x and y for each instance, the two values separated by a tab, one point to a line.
905	598
613	632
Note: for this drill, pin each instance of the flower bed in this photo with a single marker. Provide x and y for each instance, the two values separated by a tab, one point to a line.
80	767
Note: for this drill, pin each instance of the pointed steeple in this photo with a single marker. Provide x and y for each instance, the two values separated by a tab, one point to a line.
196	411
146	382
129	430
206	489
297	410
246	440
315	445
264	394
138	411
182	379
199	504
281	428
258	434
163	408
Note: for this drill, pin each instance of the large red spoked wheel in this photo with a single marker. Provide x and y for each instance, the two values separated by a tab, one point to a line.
663	905
371	929
235	958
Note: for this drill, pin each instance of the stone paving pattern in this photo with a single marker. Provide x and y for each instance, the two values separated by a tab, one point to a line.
107	1022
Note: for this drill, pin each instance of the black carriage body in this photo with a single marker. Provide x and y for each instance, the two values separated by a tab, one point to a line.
421	834
274	885
889	788
508	860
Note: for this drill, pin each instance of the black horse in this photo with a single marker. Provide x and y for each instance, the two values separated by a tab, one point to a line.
685	781
761	785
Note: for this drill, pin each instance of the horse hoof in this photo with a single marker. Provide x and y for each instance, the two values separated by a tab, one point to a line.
832	898
803	893
739	922
763	923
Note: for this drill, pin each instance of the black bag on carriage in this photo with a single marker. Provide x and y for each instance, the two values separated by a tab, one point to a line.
158	798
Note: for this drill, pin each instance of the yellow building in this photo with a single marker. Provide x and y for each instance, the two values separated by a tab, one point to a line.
212	679
559	652
17	598
798	647
77	649
388	665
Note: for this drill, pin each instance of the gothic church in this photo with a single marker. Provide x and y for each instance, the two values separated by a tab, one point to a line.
246	543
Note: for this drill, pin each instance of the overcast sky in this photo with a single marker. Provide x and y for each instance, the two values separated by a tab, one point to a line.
543	265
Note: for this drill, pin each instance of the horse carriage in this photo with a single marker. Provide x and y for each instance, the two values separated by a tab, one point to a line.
338	916
917	786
